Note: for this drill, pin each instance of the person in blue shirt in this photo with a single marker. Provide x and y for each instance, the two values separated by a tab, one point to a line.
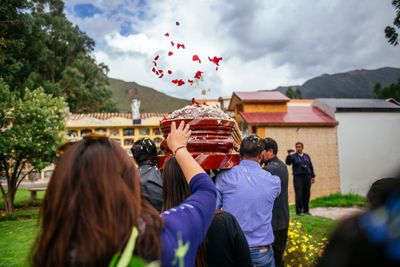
303	177
248	192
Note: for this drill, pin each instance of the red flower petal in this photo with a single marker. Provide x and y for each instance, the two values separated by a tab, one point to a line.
153	70
169	72
156	58
155	63
167	34
157	73
178	82
198	74
160	71
196	58
172	43
180	46
193	100
190	81
170	53
177	23
162	75
215	60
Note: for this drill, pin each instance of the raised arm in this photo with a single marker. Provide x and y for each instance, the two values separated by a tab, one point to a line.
289	159
177	141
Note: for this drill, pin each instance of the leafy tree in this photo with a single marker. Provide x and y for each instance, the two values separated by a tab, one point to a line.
388	91
289	92
293	94
30	134
39	47
297	94
390	31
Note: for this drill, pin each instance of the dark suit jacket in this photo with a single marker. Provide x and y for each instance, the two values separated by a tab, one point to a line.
280	212
302	165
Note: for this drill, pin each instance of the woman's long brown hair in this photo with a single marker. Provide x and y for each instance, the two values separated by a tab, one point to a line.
176	190
92	202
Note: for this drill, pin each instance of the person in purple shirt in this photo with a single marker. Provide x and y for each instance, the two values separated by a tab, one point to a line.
248	192
93	201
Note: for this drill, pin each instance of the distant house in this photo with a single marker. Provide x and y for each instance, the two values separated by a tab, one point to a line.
368	140
274	115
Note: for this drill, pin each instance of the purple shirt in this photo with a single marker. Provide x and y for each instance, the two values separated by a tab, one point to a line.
190	220
248	192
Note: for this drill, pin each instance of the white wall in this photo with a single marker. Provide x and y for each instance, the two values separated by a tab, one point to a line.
369	148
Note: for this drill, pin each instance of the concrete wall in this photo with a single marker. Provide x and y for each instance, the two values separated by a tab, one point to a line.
369	148
321	144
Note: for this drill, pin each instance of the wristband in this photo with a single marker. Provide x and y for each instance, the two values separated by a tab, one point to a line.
176	150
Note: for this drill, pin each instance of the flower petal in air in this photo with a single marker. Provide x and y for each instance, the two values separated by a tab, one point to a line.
169	72
156	58
180	46
167	34
196	58
170	53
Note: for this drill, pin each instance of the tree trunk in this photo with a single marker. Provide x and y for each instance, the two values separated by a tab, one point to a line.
9	203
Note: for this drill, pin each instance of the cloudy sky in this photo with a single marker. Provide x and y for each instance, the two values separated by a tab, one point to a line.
264	44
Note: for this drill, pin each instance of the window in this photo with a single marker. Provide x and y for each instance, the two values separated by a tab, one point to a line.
157	140
116	140
72	134
101	130
86	132
157	131
129	132
129	142
144	131
47	174
114	132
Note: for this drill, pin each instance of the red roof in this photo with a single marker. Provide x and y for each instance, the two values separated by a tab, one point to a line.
296	116
106	116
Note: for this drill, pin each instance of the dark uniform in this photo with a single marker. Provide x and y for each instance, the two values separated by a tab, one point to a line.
280	212
303	171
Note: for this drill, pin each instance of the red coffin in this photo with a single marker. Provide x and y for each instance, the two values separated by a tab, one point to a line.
215	138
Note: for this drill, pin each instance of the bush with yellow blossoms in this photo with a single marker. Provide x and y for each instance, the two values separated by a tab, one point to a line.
302	249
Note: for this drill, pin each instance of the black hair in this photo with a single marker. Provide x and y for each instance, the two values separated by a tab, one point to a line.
271	144
144	149
251	146
300	143
381	190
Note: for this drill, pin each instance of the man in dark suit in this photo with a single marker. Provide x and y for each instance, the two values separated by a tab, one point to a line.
303	177
280	212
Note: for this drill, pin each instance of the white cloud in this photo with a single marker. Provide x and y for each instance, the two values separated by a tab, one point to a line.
264	43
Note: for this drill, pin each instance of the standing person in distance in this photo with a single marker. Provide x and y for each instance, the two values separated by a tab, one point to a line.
303	177
144	151
280	212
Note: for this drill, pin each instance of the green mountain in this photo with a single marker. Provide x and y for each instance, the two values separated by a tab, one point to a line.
151	100
352	84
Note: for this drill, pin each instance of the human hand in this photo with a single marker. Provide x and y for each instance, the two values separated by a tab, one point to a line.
178	136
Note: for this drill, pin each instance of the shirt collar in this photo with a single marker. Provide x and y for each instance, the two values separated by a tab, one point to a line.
249	163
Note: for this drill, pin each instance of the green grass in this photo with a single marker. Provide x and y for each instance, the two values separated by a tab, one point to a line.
318	227
22	199
17	237
339	200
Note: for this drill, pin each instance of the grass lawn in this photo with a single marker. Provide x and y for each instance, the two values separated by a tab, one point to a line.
17	237
339	200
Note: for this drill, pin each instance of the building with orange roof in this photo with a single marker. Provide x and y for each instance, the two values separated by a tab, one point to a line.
272	114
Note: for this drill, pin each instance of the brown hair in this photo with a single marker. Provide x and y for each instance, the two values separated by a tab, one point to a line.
92	202
175	191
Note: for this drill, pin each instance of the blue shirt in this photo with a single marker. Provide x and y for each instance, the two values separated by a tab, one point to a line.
248	192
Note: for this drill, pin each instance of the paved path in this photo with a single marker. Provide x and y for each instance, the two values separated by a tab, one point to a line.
336	213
